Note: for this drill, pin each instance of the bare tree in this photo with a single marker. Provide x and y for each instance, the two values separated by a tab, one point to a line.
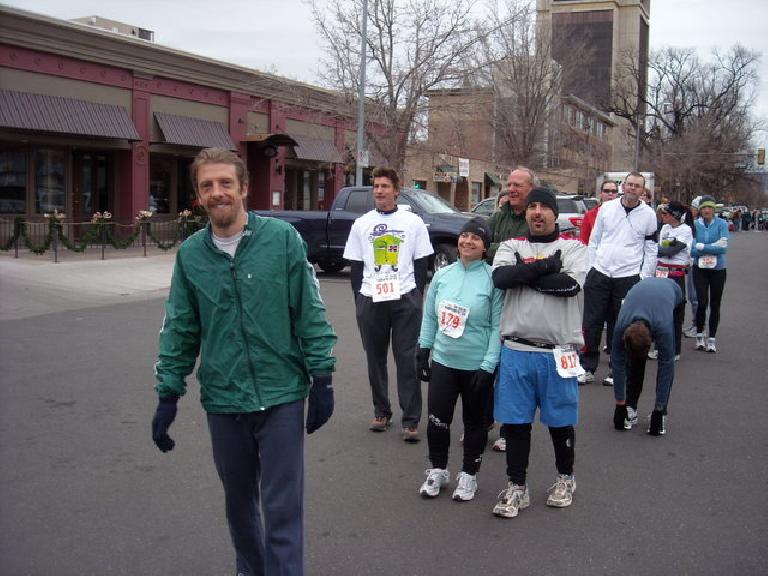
697	131
413	46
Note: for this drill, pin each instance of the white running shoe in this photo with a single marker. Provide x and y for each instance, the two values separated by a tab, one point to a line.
466	486
511	500
691	332
608	380
561	492
631	418
436	479
653	354
585	378
700	345
711	345
500	445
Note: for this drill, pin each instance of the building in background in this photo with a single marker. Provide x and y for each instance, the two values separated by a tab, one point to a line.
607	32
95	116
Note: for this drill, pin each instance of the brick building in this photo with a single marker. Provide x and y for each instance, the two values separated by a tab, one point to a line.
94	119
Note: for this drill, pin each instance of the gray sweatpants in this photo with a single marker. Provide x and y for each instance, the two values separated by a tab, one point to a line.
400	319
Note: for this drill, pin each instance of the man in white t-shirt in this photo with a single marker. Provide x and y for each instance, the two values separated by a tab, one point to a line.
389	250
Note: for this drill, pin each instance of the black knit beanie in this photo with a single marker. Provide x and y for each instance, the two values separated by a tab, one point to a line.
478	226
544	196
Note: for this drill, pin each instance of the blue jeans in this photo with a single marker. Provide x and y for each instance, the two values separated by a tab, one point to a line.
260	459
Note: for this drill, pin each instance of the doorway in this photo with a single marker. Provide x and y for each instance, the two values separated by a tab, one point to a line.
92	184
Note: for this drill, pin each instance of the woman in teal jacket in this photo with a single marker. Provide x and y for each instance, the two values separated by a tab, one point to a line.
709	270
461	327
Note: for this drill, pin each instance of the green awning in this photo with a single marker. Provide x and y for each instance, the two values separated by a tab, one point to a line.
493	179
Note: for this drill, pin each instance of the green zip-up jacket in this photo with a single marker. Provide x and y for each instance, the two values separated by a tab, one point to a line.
505	224
257	321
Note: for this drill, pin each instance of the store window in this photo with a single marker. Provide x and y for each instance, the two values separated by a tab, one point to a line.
50	189
13	180
160	182
477	193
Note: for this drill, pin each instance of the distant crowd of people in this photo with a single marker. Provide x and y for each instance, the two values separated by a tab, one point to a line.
512	328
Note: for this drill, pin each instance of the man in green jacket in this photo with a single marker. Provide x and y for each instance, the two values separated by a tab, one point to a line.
509	221
244	298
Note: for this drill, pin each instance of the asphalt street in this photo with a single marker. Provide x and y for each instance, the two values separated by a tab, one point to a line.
84	491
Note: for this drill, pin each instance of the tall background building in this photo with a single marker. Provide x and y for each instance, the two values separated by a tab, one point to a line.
605	33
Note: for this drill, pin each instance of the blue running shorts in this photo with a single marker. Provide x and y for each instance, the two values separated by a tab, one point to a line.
528	380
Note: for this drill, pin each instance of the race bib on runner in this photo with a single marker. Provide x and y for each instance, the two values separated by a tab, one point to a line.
707	261
662	272
452	318
386	286
567	363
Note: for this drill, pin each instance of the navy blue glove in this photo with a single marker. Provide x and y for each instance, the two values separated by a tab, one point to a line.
320	402
482	381
423	369
164	417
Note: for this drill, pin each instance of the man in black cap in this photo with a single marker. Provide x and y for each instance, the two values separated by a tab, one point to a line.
542	276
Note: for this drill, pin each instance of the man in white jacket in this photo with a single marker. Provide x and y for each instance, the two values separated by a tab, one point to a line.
622	249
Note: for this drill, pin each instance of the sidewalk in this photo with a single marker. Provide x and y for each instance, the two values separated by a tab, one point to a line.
34	285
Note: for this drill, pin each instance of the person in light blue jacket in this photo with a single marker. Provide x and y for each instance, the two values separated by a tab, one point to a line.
709	270
461	328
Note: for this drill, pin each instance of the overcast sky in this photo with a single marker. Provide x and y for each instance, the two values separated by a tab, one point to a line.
278	35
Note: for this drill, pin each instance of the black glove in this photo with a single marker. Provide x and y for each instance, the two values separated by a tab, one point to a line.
164	417
320	402
423	369
482	381
554	262
619	416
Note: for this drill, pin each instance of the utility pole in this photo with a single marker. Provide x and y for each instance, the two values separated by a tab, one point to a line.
361	99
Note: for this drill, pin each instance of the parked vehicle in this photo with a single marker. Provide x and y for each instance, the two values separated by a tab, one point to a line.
572	209
326	233
485	207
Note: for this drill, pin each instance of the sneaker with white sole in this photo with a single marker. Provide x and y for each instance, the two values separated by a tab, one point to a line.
690	332
500	445
608	380
561	492
658	424
700	344
585	378
711	345
631	419
466	486
511	500
436	479
653	354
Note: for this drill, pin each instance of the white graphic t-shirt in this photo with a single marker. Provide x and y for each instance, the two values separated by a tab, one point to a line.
386	244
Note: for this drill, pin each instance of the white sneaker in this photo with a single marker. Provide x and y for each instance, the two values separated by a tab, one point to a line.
436	479
631	419
561	492
465	488
677	357
500	445
511	500
691	332
700	345
711	347
608	380
653	354
585	378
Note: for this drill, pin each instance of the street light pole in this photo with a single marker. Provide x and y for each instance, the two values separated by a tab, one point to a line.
361	98
637	140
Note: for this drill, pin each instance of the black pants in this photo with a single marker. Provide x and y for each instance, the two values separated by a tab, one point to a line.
400	320
445	387
709	284
679	316
518	437
602	300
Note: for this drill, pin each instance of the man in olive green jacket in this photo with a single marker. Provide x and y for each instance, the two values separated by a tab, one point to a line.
244	298
509	221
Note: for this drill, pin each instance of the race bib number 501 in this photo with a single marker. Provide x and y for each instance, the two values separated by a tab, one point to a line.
386	286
